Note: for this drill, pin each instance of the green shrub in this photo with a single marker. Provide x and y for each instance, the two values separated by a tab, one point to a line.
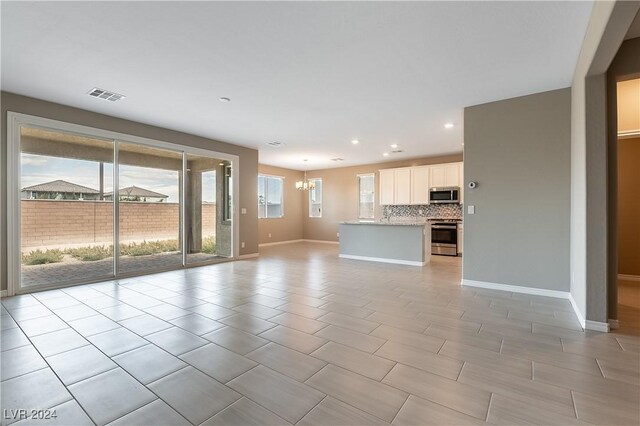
148	247
39	257
91	254
209	245
135	249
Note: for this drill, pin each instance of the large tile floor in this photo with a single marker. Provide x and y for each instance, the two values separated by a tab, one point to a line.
299	336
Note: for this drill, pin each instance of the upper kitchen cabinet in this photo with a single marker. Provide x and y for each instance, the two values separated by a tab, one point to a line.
402	185
395	186
420	185
445	175
387	187
410	185
461	180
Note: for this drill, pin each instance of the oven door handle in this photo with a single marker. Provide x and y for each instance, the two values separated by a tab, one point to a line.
443	227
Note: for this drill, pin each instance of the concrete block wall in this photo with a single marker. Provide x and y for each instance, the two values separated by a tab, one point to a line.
56	223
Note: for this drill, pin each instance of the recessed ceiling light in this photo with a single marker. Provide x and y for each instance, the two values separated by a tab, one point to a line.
224	99
385	154
448	126
355	141
394	145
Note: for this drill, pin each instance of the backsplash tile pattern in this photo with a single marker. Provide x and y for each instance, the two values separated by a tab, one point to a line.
453	211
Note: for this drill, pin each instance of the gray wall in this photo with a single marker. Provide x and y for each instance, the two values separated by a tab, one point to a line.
518	151
248	159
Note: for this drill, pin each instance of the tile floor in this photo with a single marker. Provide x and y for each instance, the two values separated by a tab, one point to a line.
299	336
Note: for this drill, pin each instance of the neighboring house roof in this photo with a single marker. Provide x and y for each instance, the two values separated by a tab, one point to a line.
134	191
60	186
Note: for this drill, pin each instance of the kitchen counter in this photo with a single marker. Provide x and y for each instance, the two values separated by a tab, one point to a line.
378	223
405	243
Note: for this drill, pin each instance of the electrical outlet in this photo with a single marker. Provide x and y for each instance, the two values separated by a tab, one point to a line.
242	244
338	234
420	211
243	210
269	234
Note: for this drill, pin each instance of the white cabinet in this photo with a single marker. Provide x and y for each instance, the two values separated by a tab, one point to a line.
461	180
420	185
445	175
402	184
387	187
410	185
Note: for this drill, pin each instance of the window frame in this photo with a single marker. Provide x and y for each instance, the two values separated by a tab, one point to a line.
310	204
266	190
373	193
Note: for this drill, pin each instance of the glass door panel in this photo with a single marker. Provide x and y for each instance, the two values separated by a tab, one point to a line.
207	209
149	208
66	222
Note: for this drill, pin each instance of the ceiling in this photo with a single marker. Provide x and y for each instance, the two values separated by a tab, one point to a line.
634	29
310	75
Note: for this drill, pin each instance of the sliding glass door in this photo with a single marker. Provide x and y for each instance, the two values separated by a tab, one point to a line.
149	208
207	209
90	208
66	222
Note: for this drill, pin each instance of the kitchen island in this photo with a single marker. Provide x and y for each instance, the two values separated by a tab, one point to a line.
405	243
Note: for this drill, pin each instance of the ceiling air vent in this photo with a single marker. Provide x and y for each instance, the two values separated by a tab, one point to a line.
105	94
397	151
275	144
337	159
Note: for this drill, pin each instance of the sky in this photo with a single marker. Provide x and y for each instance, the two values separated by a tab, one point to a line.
38	169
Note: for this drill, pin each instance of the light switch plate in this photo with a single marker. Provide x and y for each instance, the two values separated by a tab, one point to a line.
471	209
243	210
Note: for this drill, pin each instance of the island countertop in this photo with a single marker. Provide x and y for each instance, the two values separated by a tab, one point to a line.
356	222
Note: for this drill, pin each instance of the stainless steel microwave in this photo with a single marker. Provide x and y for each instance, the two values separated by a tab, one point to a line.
445	195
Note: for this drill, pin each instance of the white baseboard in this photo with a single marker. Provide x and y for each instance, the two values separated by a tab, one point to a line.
383	260
574	305
321	241
277	243
597	326
248	256
585	324
629	277
3	293
517	289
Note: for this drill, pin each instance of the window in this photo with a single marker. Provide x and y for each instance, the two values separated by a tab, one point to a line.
366	194
270	193
315	198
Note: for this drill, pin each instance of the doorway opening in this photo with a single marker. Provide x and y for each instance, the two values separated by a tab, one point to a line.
628	206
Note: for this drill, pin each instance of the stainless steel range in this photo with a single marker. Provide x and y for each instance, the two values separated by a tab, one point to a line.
444	237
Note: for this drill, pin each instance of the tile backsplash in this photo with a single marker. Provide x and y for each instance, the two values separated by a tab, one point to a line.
453	211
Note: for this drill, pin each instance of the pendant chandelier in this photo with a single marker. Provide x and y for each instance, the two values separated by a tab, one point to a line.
305	185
